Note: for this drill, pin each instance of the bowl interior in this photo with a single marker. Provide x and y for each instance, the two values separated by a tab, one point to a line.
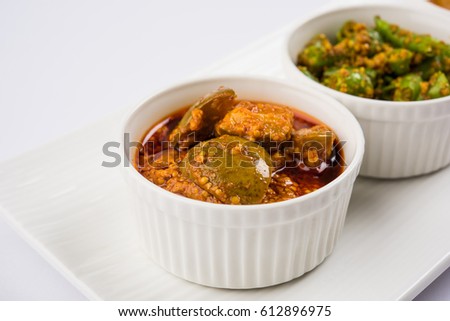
316	104
416	17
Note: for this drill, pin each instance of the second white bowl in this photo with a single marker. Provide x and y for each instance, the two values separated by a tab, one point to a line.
402	138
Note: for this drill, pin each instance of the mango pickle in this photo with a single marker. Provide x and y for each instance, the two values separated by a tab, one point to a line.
198	122
248	152
233	169
315	144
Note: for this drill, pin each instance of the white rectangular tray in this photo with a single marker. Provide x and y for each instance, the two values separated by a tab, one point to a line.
76	213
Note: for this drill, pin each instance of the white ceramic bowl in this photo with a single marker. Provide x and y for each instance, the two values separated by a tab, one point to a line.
402	138
243	246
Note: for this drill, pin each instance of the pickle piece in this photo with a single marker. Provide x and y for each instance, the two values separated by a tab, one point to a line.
198	122
314	144
407	88
439	86
317	54
443	53
355	40
429	67
399	61
353	81
402	38
349	29
257	122
163	170
231	168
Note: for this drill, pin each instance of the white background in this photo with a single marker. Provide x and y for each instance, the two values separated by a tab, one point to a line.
65	64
